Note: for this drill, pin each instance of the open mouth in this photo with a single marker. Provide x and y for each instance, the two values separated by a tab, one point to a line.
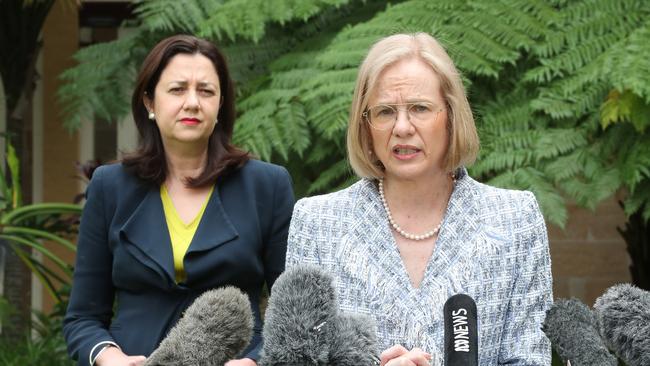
405	150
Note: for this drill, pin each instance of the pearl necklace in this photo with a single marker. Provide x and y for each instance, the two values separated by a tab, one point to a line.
397	228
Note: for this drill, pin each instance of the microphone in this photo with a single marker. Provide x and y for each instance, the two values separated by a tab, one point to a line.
461	331
571	327
623	316
214	329
302	325
355	341
299	318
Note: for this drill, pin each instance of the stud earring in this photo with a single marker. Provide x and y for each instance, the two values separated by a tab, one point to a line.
216	121
152	116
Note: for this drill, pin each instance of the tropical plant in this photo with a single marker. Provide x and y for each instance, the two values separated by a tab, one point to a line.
44	346
297	77
560	88
21	22
25	228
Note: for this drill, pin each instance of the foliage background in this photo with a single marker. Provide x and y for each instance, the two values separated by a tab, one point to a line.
560	89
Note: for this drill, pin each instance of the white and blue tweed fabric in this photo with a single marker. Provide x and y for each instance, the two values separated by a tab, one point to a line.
493	246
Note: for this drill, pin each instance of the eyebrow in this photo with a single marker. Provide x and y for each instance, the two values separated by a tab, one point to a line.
409	101
184	83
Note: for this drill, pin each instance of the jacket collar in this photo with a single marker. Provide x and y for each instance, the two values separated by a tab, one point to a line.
146	230
460	225
370	240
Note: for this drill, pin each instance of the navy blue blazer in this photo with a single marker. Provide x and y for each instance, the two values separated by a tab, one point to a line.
124	255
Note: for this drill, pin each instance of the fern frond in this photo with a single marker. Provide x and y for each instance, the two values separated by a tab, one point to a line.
639	201
100	85
630	153
229	21
252	130
291	115
322	149
493	163
629	63
329	91
555	142
555	105
172	15
265	97
588	193
338	172
331	118
565	167
625	107
293	79
580	21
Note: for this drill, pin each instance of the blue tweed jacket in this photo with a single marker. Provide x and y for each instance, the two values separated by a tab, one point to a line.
492	246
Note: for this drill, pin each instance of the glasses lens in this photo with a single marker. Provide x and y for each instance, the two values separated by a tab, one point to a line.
382	116
421	112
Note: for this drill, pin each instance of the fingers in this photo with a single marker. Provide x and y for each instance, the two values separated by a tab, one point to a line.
391	353
418	357
241	362
415	357
137	360
400	356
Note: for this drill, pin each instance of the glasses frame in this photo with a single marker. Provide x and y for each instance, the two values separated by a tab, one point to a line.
366	114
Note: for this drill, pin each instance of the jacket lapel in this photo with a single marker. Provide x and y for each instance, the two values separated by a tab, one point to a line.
215	228
370	231
459	230
458	237
372	258
147	235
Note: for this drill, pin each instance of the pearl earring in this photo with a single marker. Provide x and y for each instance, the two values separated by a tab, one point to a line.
151	116
216	121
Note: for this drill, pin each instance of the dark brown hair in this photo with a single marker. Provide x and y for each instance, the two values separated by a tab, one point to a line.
148	161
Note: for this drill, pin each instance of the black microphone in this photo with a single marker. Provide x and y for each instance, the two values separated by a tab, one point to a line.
461	331
214	329
623	314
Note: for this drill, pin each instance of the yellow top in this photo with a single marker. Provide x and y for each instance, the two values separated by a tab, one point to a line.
180	233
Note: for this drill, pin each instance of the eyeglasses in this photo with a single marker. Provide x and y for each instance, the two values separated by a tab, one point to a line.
383	116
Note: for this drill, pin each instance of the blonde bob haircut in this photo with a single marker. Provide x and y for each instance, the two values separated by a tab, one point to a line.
463	139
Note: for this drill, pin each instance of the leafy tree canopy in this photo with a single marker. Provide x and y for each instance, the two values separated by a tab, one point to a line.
560	89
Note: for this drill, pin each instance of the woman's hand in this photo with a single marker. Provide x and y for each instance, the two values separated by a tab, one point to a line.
113	356
241	362
400	356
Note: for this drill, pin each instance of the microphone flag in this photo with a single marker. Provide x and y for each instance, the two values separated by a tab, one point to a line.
461	331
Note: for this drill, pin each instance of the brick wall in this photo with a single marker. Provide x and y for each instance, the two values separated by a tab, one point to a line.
589	255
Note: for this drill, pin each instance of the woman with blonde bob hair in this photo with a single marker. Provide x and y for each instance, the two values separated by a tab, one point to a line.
464	142
417	229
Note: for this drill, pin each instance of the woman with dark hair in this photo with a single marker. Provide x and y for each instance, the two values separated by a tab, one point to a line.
185	213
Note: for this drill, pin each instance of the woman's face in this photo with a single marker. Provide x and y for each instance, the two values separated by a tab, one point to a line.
414	147
186	101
